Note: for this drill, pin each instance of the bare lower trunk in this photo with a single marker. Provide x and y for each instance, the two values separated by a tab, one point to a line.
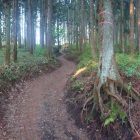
82	25
131	27
7	15
68	27
30	29
15	30
122	27
42	19
138	37
77	44
107	66
0	27
92	37
49	35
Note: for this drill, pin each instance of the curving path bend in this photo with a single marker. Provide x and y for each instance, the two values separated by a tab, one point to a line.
39	112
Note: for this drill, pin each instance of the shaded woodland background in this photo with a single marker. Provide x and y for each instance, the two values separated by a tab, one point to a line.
33	31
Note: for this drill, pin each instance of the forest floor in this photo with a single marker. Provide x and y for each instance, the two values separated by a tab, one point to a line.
36	109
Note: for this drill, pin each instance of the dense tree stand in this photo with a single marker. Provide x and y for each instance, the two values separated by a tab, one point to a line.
109	86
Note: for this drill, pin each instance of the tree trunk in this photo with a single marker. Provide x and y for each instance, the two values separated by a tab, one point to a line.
58	41
30	29
42	19
49	35
19	37
0	25
138	22
122	27
0	34
131	27
82	25
68	26
107	62
108	79
92	38
7	20
15	30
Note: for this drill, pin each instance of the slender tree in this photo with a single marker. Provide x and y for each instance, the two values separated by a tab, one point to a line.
49	29
92	37
30	26
122	27
15	30
42	20
0	32
138	24
82	25
131	26
7	23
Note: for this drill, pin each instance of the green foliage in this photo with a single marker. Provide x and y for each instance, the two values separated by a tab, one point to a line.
27	65
89	118
128	65
78	85
56	32
40	51
85	59
129	86
116	112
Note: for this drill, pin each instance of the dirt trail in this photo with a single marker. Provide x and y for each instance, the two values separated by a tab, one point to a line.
39	112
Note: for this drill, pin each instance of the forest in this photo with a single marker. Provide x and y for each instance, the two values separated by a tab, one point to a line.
70	69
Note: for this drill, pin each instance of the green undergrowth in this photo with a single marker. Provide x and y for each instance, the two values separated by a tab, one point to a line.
81	85
27	66
127	64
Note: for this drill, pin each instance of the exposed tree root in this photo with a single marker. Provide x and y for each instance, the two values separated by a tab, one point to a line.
109	89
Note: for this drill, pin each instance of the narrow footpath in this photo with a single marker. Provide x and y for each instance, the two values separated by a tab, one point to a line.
39	111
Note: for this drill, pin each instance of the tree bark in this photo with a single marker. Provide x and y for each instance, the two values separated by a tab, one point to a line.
122	27
31	24
0	25
92	37
107	65
58	41
68	26
82	25
49	34
138	22
15	30
131	27
7	20
42	20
